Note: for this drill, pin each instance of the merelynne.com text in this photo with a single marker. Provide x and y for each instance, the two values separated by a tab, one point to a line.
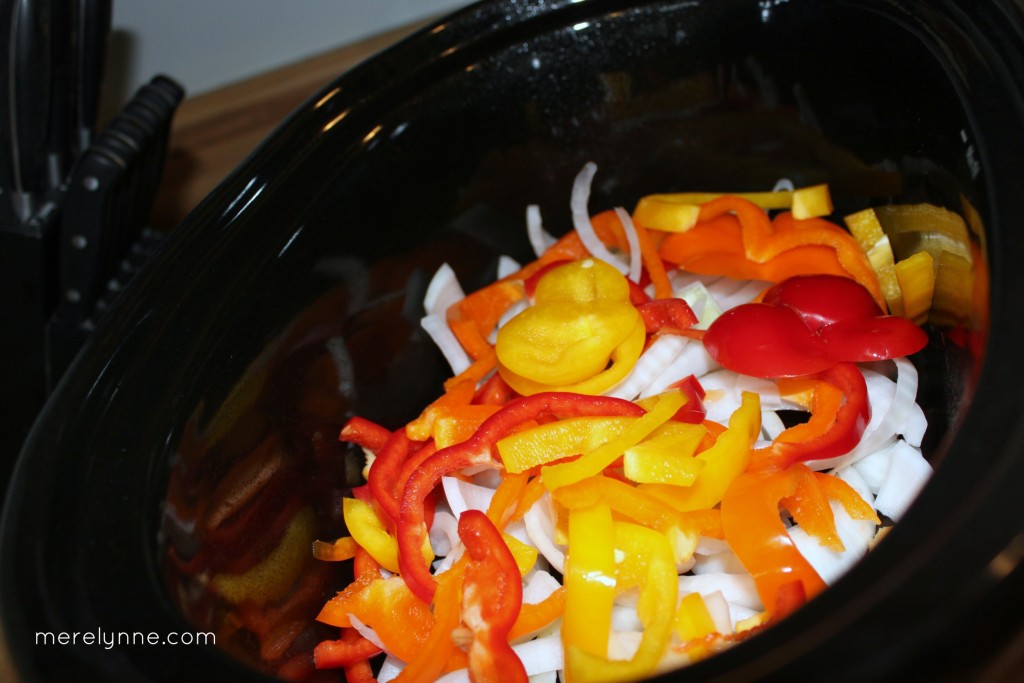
112	639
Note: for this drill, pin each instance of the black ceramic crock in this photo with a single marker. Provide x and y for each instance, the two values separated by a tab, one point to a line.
308	263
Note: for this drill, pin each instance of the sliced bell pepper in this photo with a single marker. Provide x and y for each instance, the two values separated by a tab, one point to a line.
840	412
693	621
581	319
667	456
558	440
438	649
589	582
479	450
492	594
756	533
805	325
346	651
747	244
594	461
628	501
680	211
398	617
666	316
473	318
342	549
659	587
365	433
867	230
371	534
723	462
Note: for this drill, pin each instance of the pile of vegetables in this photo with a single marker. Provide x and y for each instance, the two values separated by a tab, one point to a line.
666	433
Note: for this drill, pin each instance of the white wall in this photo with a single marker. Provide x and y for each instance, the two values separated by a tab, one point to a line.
204	44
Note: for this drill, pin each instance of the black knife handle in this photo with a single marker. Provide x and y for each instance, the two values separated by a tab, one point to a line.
93	30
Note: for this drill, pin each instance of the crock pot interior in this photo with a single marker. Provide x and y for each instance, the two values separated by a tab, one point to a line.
288	301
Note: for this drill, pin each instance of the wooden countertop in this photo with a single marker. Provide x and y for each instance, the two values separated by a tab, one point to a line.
213	132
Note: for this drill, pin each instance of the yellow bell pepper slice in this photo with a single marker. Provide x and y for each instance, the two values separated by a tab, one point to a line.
581	320
723	462
626	500
659	587
525	555
589	580
666	457
693	619
916	275
596	460
370	533
867	230
679	211
556	440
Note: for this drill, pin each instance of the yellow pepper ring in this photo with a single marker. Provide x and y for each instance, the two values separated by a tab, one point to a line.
581	320
623	358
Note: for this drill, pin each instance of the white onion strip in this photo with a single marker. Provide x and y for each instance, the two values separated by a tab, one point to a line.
581	219
651	365
436	326
539	238
633	240
443	291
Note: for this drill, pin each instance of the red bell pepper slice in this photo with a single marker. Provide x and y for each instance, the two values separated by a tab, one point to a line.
348	650
839	431
823	299
478	451
806	324
384	473
492	595
668	316
365	433
693	411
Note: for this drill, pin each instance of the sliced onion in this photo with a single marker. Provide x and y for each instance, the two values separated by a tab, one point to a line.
907	475
462	495
538	585
872	468
622	645
724	389
625	618
366	632
635	260
506	266
692	360
737	588
390	669
771	424
652	364
857	482
540	527
539	238
701	302
718	563
718	608
581	219
856	535
436	326
443	291
730	293
444	532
